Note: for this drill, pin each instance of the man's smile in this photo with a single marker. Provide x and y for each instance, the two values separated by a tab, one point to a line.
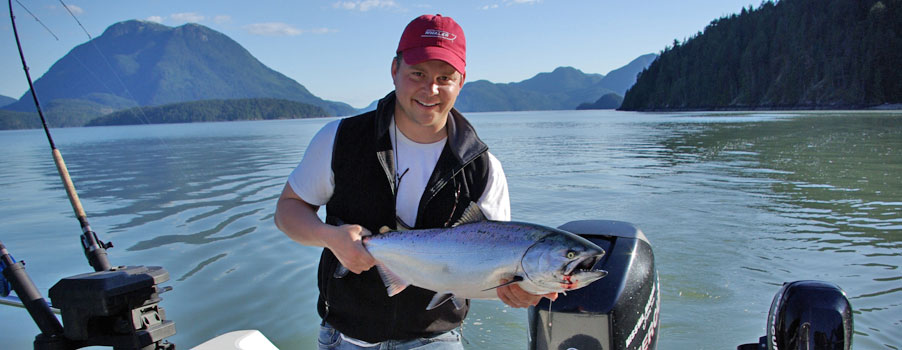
427	104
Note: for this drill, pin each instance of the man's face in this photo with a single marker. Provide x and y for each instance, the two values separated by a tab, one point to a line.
425	94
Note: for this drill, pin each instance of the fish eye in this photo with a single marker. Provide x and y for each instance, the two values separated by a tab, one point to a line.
571	254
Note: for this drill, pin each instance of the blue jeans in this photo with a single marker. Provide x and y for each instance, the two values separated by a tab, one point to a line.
331	339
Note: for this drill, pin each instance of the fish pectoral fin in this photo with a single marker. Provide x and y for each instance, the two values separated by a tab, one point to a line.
512	281
441	298
394	284
471	214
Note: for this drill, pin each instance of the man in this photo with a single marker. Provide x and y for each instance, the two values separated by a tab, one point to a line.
414	161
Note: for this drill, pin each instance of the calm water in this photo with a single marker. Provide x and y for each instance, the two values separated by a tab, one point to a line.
734	205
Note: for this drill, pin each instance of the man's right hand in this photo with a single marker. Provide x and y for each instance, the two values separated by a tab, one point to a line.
347	245
299	221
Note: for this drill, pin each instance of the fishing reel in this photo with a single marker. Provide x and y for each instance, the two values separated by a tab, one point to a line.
118	308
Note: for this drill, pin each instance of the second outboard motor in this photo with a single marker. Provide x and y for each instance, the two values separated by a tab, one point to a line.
619	311
807	315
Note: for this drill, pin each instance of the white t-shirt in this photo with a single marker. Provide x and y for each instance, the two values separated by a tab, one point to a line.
313	180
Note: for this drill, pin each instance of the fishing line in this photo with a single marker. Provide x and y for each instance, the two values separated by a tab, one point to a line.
76	19
83	65
141	115
94	248
550	318
35	18
137	111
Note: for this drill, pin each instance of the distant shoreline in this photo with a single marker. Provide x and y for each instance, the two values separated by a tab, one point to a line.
883	107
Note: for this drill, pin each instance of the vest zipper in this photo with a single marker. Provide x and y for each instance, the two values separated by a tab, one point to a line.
441	184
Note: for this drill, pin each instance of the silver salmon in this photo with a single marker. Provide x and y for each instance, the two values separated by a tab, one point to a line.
469	260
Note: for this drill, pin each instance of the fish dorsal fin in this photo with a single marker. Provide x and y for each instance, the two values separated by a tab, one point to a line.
394	284
471	214
512	281
441	298
384	229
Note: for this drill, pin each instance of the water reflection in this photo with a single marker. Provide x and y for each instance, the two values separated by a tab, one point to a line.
196	199
843	171
834	180
151	180
733	203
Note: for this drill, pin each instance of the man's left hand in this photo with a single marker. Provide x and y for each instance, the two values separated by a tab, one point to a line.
516	297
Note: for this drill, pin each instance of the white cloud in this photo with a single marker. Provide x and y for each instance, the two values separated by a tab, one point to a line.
187	17
75	9
509	3
156	19
364	5
282	29
72	8
272	29
222	19
321	31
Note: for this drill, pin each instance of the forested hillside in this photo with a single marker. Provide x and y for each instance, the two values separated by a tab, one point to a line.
807	54
211	111
5	100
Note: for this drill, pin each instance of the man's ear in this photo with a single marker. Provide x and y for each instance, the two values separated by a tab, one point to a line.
394	66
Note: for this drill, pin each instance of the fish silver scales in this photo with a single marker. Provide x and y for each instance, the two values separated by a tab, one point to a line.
469	260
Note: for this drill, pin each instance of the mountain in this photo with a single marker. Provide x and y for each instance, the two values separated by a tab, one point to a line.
563	88
148	64
621	79
791	54
609	101
372	106
5	100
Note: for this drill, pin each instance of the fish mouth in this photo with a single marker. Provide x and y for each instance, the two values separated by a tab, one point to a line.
585	264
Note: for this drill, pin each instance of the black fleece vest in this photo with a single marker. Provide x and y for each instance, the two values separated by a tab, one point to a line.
362	163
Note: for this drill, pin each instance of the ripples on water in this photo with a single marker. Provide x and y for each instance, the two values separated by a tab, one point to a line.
733	203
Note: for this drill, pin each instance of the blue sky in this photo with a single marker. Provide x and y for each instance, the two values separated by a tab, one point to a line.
342	50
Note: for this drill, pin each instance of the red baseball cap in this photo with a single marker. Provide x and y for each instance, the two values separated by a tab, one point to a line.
436	37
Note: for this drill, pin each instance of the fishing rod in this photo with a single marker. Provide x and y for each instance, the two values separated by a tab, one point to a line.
29	296
94	248
113	306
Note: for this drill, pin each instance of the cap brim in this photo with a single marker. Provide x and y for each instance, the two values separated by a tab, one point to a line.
418	55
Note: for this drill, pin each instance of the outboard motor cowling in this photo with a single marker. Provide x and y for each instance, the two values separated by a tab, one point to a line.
813	315
619	311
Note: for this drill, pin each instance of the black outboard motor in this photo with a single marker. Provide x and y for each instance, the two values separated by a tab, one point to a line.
807	315
619	311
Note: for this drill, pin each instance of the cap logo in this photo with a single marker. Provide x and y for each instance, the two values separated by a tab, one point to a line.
441	34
